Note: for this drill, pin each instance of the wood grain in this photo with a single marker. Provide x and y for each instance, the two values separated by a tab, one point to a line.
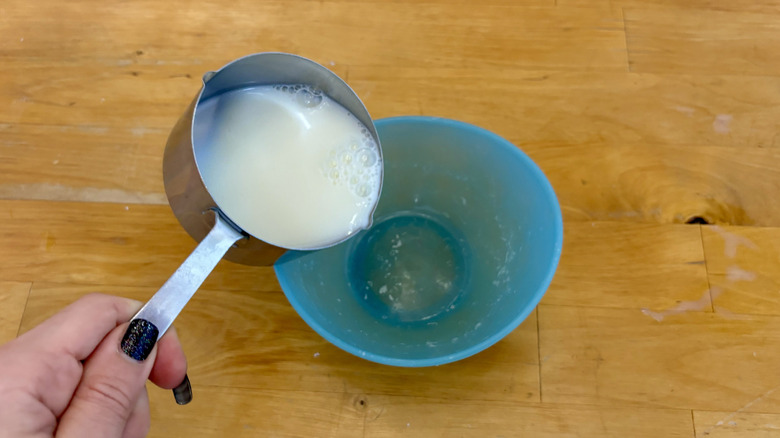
414	417
609	264
666	184
246	339
736	424
543	108
13	298
137	98
700	146
762	6
106	244
82	163
423	33
693	360
701	41
742	262
243	412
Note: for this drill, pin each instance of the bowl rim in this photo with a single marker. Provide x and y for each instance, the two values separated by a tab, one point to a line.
536	297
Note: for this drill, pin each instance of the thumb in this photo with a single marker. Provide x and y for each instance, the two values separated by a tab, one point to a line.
114	379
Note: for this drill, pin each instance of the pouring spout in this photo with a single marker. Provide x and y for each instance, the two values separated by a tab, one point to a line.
208	75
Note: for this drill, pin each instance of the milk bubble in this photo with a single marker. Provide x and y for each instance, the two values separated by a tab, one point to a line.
358	167
366	157
308	98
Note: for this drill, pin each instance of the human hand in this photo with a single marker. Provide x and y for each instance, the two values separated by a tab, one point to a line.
82	373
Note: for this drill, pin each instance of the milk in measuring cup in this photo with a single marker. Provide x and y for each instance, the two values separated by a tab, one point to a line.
288	164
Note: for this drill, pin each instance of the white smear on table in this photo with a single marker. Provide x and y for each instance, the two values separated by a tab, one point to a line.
59	192
749	404
317	354
195	61
735	273
92	129
721	123
688	111
732	241
622	214
140	131
686	306
728	314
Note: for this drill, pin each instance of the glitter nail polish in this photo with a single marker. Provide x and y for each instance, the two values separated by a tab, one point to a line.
139	339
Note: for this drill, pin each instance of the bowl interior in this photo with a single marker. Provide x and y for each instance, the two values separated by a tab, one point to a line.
466	238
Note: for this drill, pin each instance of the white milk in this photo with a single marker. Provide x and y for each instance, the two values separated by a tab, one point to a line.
288	164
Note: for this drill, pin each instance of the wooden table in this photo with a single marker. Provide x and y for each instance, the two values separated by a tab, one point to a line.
644	114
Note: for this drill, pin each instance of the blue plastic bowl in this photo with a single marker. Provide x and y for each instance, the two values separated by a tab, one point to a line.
466	239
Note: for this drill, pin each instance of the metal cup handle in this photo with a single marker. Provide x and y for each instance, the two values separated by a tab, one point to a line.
169	301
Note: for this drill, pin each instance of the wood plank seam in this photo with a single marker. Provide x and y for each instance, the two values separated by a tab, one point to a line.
625	36
706	270
743	408
393	394
26	300
516	403
539	353
729	315
365	418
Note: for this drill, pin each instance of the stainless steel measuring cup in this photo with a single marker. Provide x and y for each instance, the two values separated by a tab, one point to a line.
189	198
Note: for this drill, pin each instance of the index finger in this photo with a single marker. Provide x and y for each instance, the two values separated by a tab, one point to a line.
80	327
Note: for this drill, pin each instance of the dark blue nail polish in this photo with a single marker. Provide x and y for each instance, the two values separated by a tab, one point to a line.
139	339
183	392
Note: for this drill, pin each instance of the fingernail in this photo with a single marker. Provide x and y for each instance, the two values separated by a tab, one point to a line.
183	392
139	339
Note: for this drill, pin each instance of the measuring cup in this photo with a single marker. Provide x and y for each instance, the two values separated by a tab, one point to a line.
188	196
